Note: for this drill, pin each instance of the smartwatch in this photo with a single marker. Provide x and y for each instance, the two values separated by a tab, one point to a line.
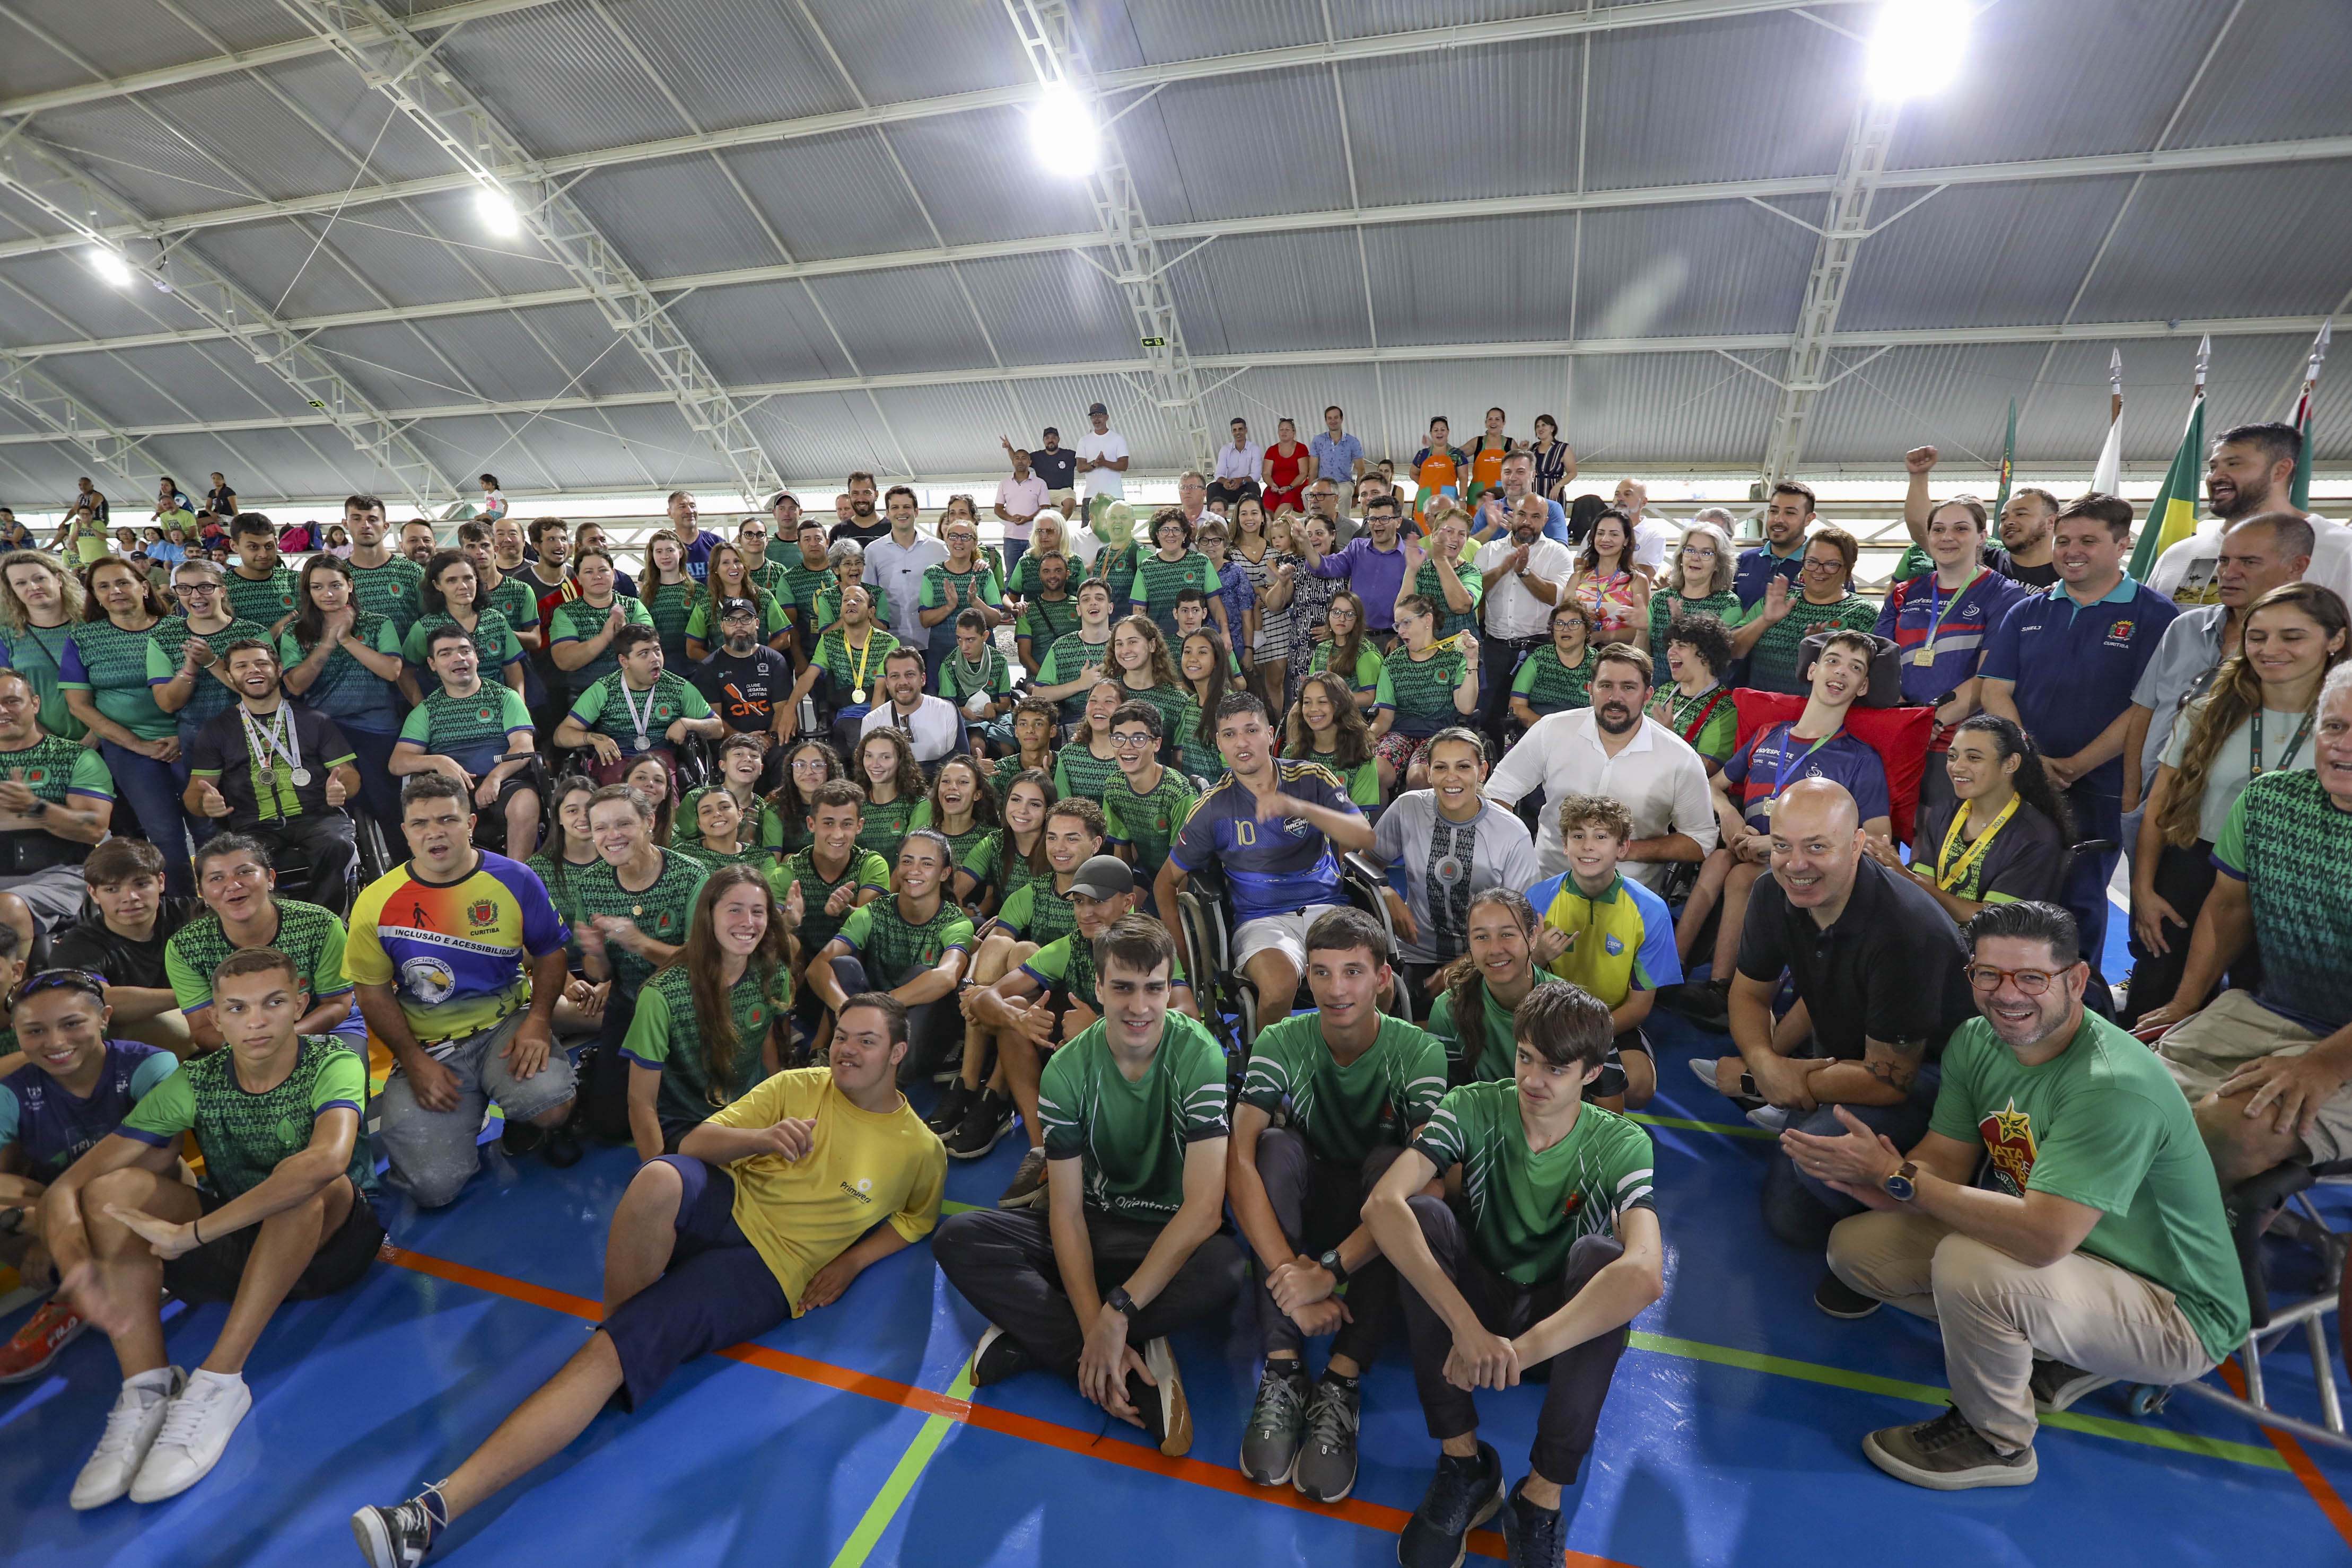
1119	1301
1329	1263
1902	1187
1748	1086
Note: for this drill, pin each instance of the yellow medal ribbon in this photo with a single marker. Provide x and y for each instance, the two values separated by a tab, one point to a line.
1949	875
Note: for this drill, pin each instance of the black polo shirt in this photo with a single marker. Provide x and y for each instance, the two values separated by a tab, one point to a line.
864	533
1892	967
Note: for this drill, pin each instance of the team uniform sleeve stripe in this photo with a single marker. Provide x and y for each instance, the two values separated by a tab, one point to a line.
350	1106
153	1140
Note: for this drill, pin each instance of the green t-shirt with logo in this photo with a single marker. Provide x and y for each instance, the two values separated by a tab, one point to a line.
664	912
209	697
773	623
762	826
882	826
347	691
495	644
1037	911
865	870
1666	607
980	585
2285	839
111	664
991	678
1131	1137
264	601
1496	1057
2102	1125
962	846
310	936
37	653
855	669
1070	657
393	591
1421	691
799	587
1179	713
890	944
603	708
1046	622
513	599
1116	566
1428	583
1069	961
671	605
247	1136
828	605
1527	1209
1369	664
1147	822
474	727
666	1035
577	620
1345	1112
1551	686
54	768
1158	581
1772	662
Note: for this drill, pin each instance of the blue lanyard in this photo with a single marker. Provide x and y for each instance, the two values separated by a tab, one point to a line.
1780	772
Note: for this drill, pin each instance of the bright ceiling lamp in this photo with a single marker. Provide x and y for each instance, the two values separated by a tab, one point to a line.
498	212
1916	47
109	265
1062	131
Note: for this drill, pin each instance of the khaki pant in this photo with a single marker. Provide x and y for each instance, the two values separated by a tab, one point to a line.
1998	1315
2234	1029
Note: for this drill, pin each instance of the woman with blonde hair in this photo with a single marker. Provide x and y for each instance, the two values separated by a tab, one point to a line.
39	602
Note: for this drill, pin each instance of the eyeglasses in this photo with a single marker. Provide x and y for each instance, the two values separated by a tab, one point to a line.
1824	566
1126	742
2033	982
809	764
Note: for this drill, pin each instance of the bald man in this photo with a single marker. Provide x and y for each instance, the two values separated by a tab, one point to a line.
1879	971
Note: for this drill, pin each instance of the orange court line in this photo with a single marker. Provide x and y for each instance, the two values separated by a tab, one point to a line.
1005	1423
2298	1460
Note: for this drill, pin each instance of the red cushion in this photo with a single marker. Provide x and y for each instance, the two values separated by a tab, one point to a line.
1899	736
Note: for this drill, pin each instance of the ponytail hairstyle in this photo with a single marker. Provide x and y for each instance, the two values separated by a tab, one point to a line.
2236	699
2030	780
1467	987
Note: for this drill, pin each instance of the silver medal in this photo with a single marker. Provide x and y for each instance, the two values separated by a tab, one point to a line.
645	741
299	777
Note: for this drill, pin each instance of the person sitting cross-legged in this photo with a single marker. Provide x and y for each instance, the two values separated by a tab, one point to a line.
479	734
459	959
282	1216
918	942
2097	1252
768	1210
1127	1251
1548	1253
273	769
1605	932
1359	1083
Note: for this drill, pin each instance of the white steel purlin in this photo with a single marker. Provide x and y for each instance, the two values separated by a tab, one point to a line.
1170	379
64	417
394	62
1860	169
44	178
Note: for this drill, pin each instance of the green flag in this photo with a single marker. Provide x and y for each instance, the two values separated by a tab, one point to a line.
2172	515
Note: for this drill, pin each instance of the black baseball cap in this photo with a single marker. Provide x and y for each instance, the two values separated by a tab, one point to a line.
1097	409
728	607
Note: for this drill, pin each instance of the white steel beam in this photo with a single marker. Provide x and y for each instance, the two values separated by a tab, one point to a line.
41	176
394	62
66	418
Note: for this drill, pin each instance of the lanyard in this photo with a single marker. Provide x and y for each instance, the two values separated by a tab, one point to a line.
865	651
1705	713
643	724
2254	743
268	747
1949	874
1780	772
1937	607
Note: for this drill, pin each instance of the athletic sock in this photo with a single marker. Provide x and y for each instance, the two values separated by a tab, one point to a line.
161	1378
227	1379
1341	1380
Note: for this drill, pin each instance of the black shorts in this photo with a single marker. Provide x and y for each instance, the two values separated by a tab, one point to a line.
214	1272
717	1292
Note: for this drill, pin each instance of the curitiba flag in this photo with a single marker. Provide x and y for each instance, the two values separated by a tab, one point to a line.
2172	515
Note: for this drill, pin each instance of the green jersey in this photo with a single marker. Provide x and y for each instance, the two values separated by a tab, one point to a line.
1772	662
2285	839
1147	822
1070	657
605	707
577	620
513	599
992	677
37	653
1492	1056
666	1035
890	944
769	576
111	664
1116	568
264	600
247	1136
54	768
1430	582
979	585
345	690
1362	781
962	846
472	730
209	697
1132	1137
857	669
1180	713
799	587
1069	961
1044	622
671	605
561	878
763	826
1666	607
1420	691
1369	664
1551	686
393	591
495	643
663	910
2102	1125
312	936
828	605
1158	581
882	825
1345	1112
1078	771
1527	1209
1037	910
865	871
773	622
1709	722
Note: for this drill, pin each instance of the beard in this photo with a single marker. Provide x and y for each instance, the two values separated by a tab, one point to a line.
1615	717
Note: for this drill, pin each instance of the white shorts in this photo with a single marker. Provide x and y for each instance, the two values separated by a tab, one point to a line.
1284	933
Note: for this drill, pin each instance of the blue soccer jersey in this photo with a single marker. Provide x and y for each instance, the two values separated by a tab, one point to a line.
1273	867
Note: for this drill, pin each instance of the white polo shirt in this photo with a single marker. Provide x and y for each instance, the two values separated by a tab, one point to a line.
935	728
1512	611
1655	775
1653	539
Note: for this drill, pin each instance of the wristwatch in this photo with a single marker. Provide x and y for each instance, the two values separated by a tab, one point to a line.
1748	1086
1902	1185
1119	1301
1329	1263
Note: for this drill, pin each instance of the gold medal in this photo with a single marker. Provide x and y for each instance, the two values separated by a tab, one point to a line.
1924	656
636	909
857	694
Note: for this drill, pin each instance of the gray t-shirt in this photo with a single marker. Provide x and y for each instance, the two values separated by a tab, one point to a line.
1446	862
2180	669
2234	763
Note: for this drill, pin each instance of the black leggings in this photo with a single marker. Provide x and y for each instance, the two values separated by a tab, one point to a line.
2184	879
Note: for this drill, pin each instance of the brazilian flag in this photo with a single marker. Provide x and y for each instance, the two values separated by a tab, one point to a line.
2172	515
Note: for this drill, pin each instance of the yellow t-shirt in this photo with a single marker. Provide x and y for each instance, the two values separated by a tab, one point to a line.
802	1213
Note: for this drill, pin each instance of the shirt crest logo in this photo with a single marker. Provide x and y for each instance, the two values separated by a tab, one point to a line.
1613	945
2008	1137
481	912
2120	631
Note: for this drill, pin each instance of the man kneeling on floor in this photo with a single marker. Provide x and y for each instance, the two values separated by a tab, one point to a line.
1134	1172
1521	1270
767	1210
2101	1253
1359	1084
282	1217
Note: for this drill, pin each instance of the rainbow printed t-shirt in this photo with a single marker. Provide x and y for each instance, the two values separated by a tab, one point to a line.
456	954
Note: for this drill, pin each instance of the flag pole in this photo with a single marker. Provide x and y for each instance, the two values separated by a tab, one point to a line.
2299	491
2106	474
2172	515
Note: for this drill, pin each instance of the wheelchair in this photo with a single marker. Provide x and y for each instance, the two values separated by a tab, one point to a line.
1228	1000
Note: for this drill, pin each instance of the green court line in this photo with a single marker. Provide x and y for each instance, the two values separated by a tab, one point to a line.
1683	1124
2260	1455
901	1480
952	1206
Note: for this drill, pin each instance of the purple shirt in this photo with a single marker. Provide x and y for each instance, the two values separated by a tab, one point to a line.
1374	576
697	559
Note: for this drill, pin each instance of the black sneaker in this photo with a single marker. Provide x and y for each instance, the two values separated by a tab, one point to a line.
1461	1496
1840	1300
1277	1420
1948	1455
1707	1003
982	1127
395	1537
1327	1462
2057	1385
996	1357
1533	1537
1161	1403
1028	1188
521	1138
954	1104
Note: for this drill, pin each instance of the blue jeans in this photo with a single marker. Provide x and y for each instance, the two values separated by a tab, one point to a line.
1014	550
1800	1209
378	789
152	790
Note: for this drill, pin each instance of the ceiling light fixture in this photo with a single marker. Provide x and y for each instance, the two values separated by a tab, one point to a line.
1062	131
1918	47
111	266
498	212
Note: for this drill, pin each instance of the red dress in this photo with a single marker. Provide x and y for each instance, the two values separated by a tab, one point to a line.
1284	488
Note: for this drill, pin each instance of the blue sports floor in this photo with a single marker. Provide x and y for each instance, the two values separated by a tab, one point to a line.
1731	1435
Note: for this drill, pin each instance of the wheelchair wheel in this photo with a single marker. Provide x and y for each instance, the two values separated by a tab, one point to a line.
2148	1399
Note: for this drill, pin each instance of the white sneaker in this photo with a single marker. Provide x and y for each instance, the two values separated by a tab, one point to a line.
1772	1118
195	1430
131	1428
